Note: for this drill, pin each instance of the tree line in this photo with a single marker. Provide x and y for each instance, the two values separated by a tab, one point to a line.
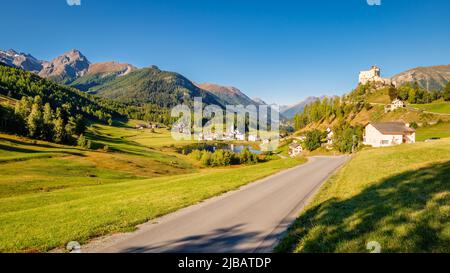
346	138
33	118
327	109
222	157
16	83
412	93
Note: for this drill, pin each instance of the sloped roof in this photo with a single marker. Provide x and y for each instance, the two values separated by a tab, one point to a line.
392	128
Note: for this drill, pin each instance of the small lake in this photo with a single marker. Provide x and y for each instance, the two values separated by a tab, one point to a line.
239	148
235	148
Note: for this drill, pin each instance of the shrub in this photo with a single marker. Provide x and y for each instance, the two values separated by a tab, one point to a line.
347	137
414	125
313	140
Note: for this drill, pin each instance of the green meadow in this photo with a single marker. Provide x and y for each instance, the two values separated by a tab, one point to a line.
397	196
438	107
52	194
440	130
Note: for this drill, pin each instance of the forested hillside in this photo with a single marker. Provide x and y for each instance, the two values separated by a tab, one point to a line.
151	85
41	109
366	103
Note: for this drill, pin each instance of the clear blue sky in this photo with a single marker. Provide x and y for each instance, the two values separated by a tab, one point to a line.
281	51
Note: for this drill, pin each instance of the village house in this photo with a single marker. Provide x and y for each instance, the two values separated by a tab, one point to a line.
146	126
295	149
240	136
253	138
396	104
385	134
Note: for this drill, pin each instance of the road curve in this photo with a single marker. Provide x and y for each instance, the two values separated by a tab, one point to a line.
248	220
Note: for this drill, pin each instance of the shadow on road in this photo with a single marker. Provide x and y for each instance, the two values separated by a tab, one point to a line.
229	240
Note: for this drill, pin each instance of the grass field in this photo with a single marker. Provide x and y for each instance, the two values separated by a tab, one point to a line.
441	107
52	194
441	130
398	196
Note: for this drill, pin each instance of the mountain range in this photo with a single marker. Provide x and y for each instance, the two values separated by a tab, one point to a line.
127	83
289	111
429	78
124	82
230	94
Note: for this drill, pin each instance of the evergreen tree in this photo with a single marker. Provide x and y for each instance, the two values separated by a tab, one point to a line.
70	126
59	130
80	124
82	142
446	94
48	122
35	122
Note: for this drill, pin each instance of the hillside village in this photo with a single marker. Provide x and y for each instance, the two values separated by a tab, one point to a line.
382	118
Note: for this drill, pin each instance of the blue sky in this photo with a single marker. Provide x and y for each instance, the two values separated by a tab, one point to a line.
281	51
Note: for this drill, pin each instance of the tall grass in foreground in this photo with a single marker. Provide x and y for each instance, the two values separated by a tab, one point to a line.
399	197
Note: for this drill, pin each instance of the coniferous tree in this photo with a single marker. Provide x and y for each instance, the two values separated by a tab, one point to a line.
48	122
59	135
35	121
446	94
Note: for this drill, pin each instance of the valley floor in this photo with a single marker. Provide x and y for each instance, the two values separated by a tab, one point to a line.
52	194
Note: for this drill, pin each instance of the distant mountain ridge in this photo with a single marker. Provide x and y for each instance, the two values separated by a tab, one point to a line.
430	77
228	94
21	60
152	85
67	68
124	82
289	111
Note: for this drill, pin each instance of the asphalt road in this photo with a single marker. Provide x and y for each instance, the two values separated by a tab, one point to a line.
248	220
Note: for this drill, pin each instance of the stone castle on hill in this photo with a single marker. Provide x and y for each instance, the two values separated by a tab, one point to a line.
373	75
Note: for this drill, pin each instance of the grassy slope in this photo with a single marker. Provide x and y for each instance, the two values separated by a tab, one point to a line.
398	196
26	163
52	194
442	107
377	114
441	130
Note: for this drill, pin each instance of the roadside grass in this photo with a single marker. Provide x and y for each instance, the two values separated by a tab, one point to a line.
398	196
440	130
438	107
42	221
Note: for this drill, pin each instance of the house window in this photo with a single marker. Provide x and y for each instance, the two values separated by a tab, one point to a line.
384	142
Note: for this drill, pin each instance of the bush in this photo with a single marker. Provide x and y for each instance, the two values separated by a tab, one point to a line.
347	137
83	142
313	140
206	158
222	158
106	148
414	125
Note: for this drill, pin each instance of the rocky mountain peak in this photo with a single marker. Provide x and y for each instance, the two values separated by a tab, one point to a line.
20	60
67	67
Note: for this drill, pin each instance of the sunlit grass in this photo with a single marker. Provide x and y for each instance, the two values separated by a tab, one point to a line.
441	130
41	221
440	107
398	196
52	194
